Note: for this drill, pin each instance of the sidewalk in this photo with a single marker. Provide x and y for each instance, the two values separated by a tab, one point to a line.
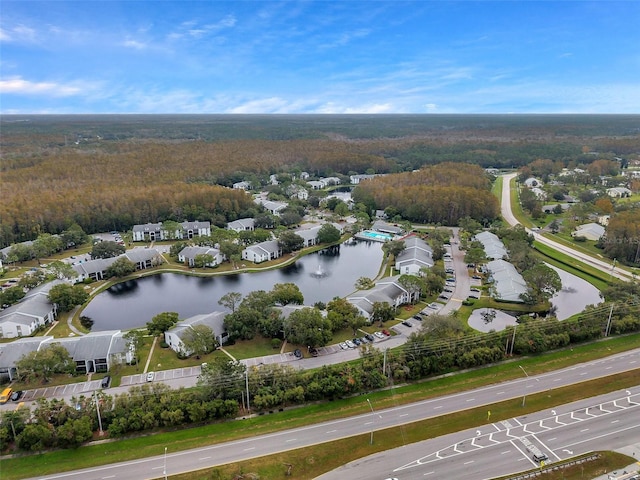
627	472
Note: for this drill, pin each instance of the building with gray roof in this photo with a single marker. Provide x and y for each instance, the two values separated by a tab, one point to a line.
262	252
388	290
143	258
508	284
417	254
188	255
242	225
492	245
215	321
150	232
384	227
590	231
33	312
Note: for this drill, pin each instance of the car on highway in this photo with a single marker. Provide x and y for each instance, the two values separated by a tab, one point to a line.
150	376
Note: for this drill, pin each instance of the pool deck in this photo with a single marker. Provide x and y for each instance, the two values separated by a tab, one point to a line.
373	236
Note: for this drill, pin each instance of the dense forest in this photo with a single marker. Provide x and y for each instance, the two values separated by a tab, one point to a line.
111	172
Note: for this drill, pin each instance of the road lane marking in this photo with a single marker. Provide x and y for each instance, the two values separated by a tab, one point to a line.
505	452
436	408
292	440
331	431
206	458
470	399
429	473
615	421
551	439
584	430
467	463
249	449
500	393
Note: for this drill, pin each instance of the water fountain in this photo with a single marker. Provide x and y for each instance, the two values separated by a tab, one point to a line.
319	272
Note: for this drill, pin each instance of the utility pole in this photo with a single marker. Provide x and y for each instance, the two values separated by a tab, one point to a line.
95	397
372	415
246	378
608	328
164	468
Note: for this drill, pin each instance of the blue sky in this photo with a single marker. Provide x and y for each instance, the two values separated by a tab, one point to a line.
319	57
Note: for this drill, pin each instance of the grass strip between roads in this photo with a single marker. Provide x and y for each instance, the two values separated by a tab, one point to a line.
310	462
129	449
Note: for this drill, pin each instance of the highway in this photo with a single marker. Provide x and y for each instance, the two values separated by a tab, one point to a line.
507	447
207	457
510	218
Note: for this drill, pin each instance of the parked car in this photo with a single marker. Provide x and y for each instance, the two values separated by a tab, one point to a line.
363	340
150	376
476	277
313	351
350	344
443	297
356	342
418	317
343	345
407	324
379	334
17	395
297	353
370	337
448	290
433	306
106	381
386	333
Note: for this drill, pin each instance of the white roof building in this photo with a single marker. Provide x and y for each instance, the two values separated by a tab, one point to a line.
508	283
493	246
590	231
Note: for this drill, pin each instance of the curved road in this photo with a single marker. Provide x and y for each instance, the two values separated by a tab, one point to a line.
210	456
508	216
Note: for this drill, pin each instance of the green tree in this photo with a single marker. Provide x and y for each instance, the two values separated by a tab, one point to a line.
44	363
134	340
286	293
393	247
382	312
228	249
67	296
35	437
230	300
172	229
413	284
74	236
74	432
162	322
340	312
202	260
364	283
62	270
107	249
199	340
308	327
11	295
290	241
543	281
223	378
120	268
47	244
475	254
328	234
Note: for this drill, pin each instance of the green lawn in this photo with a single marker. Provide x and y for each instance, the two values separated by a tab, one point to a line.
328	456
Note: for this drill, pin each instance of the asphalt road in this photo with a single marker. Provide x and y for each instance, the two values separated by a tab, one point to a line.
508	216
206	457
506	447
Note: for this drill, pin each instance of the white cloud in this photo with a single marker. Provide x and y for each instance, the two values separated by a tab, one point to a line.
134	44
19	86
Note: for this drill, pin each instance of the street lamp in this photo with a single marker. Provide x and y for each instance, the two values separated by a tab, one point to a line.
164	468
372	415
524	397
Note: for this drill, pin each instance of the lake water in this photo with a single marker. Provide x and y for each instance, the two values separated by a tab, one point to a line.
320	276
575	295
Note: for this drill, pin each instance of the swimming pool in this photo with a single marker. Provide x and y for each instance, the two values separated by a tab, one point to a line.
377	236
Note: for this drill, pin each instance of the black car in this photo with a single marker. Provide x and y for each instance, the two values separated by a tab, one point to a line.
407	324
448	290
297	353
370	337
357	342
313	352
17	395
418	317
106	381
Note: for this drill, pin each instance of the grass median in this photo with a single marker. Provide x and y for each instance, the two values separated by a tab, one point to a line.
150	445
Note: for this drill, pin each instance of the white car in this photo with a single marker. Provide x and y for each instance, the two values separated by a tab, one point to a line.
379	334
350	344
343	345
150	376
434	306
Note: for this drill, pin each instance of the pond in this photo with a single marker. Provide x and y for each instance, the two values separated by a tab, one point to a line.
320	276
575	295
